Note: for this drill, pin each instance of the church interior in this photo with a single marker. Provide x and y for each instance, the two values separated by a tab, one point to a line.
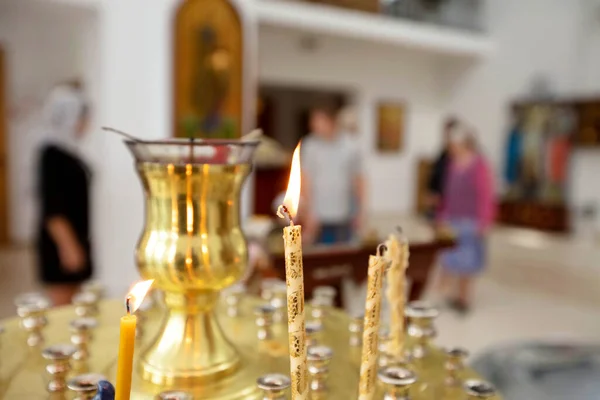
442	155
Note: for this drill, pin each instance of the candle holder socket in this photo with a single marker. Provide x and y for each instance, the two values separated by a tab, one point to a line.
264	321
312	329
398	381
33	321
319	358
421	327
325	294
273	386
384	339
94	287
279	303
455	365
59	357
476	389
267	285
81	336
233	298
318	310
32	298
85	386
86	304
356	330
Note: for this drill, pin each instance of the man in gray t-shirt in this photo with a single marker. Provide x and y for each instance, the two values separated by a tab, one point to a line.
332	181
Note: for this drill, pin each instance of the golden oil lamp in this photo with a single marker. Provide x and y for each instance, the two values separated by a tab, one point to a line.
192	246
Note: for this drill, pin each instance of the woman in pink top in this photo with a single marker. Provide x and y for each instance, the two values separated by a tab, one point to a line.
468	208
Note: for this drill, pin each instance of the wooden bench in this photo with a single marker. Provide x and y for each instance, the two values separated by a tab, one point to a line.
331	265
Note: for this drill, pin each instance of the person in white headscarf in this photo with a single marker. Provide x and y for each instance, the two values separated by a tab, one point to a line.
63	244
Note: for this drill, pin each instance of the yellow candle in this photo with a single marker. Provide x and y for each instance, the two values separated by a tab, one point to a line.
125	362
127	340
294	277
370	352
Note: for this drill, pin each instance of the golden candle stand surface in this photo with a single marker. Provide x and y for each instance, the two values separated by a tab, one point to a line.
23	374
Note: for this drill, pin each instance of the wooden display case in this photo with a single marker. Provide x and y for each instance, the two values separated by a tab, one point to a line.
424	168
270	181
545	217
588	129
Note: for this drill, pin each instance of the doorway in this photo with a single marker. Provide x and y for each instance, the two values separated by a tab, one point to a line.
283	115
284	110
3	157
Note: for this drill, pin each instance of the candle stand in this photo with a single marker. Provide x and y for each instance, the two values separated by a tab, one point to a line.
201	344
333	363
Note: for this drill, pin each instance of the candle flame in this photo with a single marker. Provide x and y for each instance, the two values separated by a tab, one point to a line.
292	195
137	293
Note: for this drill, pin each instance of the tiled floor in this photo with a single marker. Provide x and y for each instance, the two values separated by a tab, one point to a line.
537	286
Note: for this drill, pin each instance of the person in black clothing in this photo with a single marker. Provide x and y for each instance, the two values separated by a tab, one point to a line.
63	245
437	180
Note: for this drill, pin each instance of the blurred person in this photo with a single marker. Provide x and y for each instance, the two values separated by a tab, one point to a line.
63	245
347	121
332	181
440	166
468	208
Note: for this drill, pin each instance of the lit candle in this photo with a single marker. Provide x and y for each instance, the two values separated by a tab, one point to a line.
397	255
294	277
127	339
370	352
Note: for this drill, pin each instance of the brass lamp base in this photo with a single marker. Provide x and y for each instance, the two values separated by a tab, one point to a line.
239	385
192	246
190	347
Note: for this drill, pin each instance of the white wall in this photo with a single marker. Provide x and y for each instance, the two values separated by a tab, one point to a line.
372	73
586	163
57	49
589	49
135	98
531	37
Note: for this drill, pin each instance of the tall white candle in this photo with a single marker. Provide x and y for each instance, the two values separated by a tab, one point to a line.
397	254
370	351
294	277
